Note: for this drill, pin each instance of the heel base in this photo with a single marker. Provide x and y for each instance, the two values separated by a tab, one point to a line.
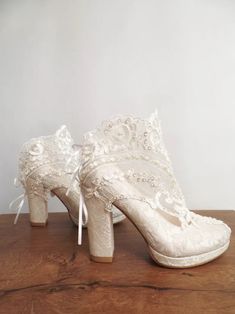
101	259
39	224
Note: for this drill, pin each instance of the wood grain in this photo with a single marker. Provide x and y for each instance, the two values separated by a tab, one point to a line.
42	270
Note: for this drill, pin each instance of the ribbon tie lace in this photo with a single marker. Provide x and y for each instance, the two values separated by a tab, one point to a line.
83	213
18	201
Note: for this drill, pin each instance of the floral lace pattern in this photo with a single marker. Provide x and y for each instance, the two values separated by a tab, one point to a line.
47	157
125	134
129	139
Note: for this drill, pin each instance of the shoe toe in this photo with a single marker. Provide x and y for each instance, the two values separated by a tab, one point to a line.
213	234
203	235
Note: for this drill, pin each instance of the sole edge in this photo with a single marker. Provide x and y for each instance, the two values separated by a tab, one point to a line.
186	262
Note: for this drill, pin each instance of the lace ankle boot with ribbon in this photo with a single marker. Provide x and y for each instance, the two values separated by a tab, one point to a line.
47	165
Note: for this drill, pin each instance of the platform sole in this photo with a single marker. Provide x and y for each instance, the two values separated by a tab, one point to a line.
186	262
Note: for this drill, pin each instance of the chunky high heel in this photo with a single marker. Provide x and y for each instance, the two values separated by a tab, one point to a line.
37	201
100	232
125	164
47	165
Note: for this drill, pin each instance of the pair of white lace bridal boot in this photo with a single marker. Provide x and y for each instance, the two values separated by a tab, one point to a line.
121	169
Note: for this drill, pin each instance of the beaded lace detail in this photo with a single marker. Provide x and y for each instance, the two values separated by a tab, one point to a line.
50	155
48	160
135	151
127	135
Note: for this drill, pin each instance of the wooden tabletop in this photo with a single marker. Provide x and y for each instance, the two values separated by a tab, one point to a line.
42	270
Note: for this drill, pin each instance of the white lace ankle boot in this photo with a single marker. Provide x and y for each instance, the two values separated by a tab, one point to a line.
126	164
47	165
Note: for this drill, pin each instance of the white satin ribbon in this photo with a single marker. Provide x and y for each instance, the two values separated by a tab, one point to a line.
83	213
20	201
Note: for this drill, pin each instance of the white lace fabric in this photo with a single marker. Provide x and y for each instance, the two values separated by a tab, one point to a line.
125	163
49	161
47	156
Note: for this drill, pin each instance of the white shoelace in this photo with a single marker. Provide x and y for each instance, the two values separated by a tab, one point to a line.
18	201
83	213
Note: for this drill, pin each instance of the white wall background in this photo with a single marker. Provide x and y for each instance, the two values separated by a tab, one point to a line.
78	62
